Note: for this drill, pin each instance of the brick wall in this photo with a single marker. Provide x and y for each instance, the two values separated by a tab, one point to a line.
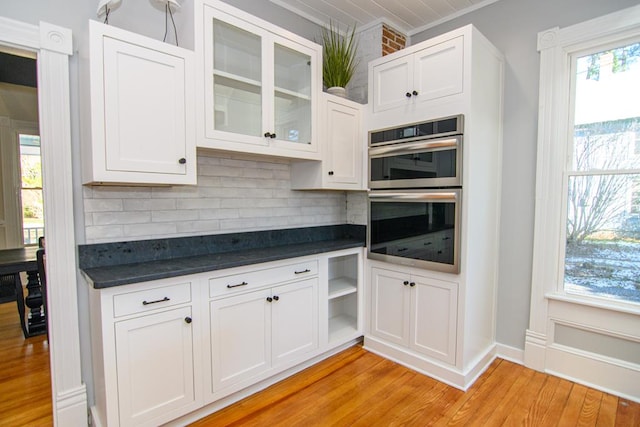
392	40
234	193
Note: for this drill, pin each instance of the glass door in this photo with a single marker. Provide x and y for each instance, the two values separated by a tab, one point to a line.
292	95
237	80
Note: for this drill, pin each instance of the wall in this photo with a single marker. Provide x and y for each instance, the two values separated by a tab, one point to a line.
234	193
512	25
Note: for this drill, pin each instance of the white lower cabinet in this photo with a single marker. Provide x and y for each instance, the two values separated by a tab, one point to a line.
415	312
155	376
145	352
166	348
252	332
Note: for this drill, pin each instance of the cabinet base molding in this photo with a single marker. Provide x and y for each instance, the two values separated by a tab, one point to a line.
248	391
447	374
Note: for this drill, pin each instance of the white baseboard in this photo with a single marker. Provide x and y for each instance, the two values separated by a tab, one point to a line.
509	353
598	372
71	407
442	372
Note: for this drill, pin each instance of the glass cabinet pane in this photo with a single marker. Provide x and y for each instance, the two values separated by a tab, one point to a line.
237	80
292	104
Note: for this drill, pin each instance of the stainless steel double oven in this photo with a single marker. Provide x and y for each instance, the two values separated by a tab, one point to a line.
415	197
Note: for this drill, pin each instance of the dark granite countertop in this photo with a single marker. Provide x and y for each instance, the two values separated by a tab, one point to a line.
114	264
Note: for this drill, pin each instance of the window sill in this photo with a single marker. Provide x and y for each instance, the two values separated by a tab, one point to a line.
619	306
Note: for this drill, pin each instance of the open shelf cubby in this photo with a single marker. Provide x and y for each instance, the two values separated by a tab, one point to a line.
343	298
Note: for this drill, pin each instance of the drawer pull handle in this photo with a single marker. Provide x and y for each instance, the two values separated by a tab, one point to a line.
235	286
156	301
303	271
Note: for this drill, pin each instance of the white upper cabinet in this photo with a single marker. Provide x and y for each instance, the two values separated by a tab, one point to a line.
259	85
342	149
431	73
142	110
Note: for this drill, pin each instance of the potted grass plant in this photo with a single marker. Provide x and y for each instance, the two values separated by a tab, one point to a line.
339	58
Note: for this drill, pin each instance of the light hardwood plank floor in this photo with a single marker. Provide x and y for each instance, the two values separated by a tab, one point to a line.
358	388
25	379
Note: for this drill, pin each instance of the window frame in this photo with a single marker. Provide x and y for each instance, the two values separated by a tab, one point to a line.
559	49
20	185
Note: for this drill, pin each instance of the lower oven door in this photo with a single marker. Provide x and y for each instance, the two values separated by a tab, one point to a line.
420	228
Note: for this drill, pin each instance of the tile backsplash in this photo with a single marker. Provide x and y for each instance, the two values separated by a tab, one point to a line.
235	193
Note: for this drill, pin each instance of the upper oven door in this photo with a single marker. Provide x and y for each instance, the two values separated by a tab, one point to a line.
417	164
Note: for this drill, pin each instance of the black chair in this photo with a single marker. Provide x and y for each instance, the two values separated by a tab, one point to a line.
42	276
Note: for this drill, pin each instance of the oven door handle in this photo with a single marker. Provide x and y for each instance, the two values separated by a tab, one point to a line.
420	146
440	196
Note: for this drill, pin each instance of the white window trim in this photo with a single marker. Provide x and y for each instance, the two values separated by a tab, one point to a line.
549	303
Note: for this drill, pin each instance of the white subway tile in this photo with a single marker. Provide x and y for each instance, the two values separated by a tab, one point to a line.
201	227
114	218
203	203
149	204
102	205
113	192
150	231
174	216
235	193
104	232
218	213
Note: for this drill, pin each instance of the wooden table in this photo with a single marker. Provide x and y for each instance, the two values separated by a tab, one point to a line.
12	263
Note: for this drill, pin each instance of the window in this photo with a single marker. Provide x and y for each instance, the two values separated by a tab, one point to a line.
584	275
31	189
602	251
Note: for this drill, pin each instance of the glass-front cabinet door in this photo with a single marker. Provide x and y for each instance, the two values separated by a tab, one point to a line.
260	85
237	80
292	95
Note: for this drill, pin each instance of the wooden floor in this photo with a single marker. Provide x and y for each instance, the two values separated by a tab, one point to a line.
25	381
358	388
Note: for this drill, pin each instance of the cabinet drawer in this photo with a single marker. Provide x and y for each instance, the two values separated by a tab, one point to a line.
141	301
234	283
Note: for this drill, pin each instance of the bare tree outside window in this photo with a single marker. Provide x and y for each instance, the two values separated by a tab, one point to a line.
602	254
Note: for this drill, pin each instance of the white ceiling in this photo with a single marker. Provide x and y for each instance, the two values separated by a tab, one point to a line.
407	16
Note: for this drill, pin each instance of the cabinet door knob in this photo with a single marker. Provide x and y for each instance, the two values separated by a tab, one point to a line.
412	284
408	94
406	282
273	135
415	93
267	134
182	161
330	172
269	299
276	297
188	319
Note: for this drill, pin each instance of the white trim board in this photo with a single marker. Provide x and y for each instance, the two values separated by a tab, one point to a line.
53	46
550	305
